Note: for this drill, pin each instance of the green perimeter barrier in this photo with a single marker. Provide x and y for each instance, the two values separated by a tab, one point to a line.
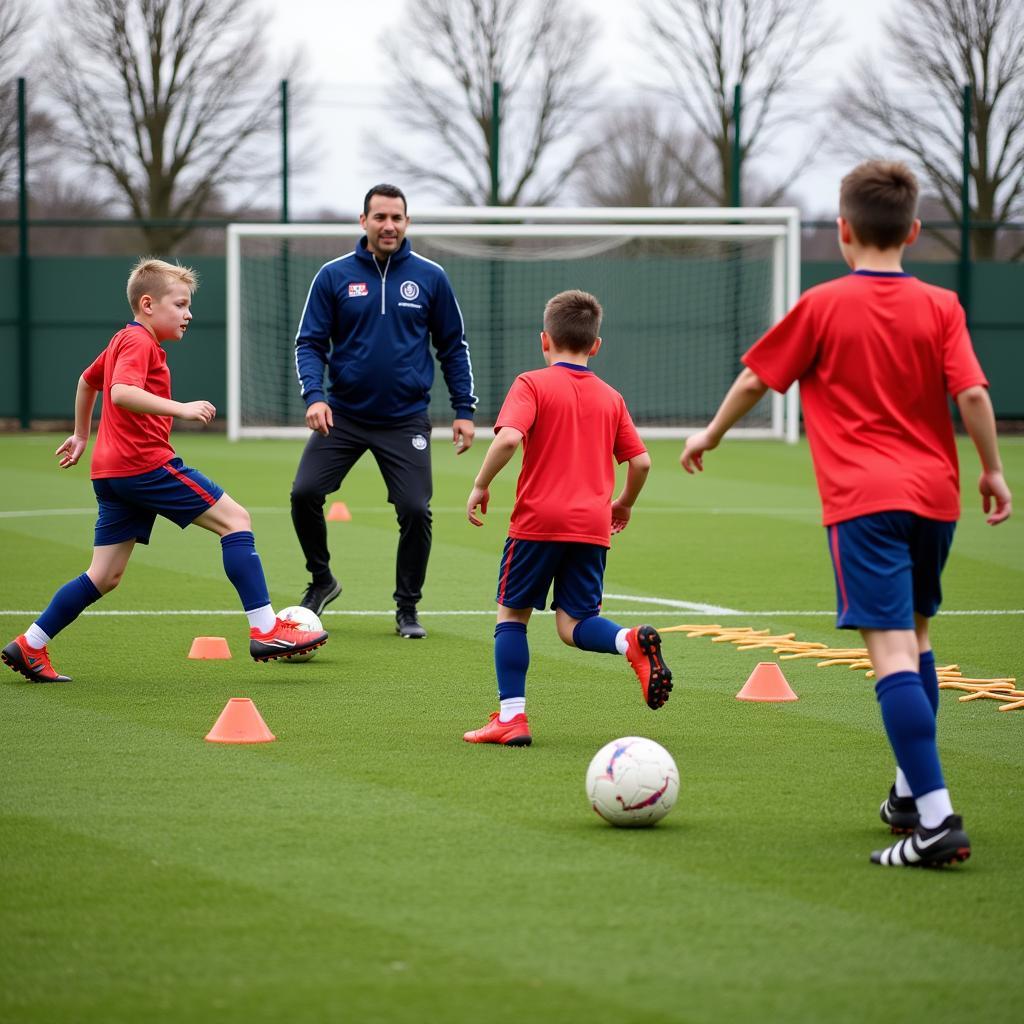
78	303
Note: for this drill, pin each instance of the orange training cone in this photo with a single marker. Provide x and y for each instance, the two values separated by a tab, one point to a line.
209	647
240	722
766	683
338	512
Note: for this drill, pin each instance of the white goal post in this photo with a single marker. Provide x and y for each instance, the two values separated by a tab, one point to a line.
685	291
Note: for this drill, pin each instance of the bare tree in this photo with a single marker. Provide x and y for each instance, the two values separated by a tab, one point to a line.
449	55
168	100
14	26
707	47
938	47
639	161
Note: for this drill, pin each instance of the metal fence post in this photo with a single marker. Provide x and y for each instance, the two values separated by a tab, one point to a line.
735	196
495	141
965	209
24	281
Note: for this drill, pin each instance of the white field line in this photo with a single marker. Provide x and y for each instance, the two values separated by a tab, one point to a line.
389	612
740	510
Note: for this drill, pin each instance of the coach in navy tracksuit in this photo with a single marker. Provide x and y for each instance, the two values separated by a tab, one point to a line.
370	318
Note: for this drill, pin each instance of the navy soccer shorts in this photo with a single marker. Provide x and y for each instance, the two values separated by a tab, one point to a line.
529	567
887	567
129	505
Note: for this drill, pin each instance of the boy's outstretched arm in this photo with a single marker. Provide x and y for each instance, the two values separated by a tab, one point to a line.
136	399
976	411
71	450
746	391
637	469
498	456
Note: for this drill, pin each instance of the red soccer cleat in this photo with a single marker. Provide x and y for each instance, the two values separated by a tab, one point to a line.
644	654
32	662
284	640
513	733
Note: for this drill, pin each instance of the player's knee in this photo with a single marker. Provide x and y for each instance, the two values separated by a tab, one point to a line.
565	635
108	581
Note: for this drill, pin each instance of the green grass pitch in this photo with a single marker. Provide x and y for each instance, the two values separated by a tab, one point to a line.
371	867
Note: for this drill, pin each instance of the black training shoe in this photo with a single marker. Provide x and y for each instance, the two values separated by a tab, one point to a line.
899	812
928	847
319	595
407	626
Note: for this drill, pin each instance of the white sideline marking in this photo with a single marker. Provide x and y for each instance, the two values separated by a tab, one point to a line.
687	606
389	612
745	510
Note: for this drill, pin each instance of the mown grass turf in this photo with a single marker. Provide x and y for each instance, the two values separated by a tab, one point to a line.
369	866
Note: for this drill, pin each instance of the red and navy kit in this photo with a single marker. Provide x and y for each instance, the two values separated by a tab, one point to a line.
575	429
876	355
136	475
129	443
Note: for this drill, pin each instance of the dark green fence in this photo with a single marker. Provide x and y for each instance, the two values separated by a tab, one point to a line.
76	304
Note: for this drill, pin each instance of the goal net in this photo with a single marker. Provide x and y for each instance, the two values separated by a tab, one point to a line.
685	292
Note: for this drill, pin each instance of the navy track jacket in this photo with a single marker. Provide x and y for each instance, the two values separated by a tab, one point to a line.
371	324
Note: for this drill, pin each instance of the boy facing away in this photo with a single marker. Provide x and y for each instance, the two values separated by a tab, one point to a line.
136	476
876	353
572	426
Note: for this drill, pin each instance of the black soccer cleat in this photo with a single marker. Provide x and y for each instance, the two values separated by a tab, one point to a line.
899	812
407	626
319	595
928	847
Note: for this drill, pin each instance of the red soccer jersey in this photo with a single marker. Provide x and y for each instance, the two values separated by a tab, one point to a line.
130	443
573	426
876	354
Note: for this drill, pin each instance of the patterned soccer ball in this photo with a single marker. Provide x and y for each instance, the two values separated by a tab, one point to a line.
308	621
632	782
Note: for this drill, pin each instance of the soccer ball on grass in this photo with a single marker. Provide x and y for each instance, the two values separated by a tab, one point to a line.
632	782
308	622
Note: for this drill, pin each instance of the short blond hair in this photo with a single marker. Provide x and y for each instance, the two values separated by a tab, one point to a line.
154	277
573	321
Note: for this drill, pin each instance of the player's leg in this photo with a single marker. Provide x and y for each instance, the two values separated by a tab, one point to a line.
27	654
524	579
579	583
403	455
269	637
872	558
324	464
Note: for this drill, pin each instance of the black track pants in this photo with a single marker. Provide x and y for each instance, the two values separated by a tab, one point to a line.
402	451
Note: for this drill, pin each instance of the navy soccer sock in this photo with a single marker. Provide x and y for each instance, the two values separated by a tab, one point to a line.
244	568
910	725
929	679
511	659
596	634
67	604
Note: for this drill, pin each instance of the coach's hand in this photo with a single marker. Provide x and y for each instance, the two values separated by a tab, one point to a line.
463	433
320	418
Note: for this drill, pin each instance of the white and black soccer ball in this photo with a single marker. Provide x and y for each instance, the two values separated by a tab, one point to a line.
308	621
632	782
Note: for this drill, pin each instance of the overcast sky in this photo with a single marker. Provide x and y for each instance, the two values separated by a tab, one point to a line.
346	64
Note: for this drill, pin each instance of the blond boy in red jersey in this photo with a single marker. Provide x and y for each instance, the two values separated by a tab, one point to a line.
876	354
573	428
136	476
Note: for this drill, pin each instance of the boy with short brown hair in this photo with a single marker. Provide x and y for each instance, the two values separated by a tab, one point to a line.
876	353
572	426
136	476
